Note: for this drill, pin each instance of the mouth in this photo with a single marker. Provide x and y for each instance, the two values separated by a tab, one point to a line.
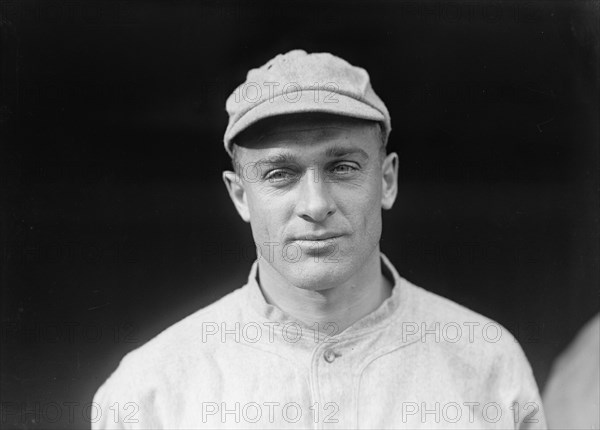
316	238
324	244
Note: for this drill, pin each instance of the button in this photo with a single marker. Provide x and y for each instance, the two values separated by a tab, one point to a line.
330	356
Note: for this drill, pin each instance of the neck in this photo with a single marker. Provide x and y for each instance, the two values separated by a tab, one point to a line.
342	305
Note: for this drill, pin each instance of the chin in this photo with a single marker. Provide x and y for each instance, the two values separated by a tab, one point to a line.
308	274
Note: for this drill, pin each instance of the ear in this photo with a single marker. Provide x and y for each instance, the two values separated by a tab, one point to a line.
237	193
389	172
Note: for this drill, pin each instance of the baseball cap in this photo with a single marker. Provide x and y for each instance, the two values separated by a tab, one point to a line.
298	82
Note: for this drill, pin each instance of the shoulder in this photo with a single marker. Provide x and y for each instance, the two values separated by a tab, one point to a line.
429	304
461	332
187	338
177	352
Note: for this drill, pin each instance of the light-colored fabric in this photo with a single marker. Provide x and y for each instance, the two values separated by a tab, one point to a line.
572	395
418	361
298	82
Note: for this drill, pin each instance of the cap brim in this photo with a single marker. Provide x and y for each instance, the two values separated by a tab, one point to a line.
304	101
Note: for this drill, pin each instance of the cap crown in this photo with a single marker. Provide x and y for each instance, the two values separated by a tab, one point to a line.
299	82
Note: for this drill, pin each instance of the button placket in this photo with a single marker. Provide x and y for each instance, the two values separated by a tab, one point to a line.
334	392
330	355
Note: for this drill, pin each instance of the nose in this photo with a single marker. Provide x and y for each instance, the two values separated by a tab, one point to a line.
315	203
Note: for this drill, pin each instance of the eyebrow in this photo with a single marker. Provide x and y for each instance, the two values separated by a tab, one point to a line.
283	158
333	152
342	151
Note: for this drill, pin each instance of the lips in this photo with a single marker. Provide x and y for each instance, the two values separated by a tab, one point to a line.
317	237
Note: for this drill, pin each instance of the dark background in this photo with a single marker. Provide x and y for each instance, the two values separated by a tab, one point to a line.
115	223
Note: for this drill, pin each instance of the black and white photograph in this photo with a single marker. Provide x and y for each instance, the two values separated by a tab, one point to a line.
362	214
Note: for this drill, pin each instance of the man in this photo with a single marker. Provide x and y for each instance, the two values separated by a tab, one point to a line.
325	334
572	393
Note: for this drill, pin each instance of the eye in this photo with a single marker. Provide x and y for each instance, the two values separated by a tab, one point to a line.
279	175
344	169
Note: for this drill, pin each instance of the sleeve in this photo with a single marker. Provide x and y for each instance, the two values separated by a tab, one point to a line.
525	400
124	401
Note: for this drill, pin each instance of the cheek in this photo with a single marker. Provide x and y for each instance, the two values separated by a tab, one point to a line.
259	217
363	205
267	217
372	210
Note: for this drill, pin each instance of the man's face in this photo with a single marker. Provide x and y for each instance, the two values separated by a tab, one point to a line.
313	194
